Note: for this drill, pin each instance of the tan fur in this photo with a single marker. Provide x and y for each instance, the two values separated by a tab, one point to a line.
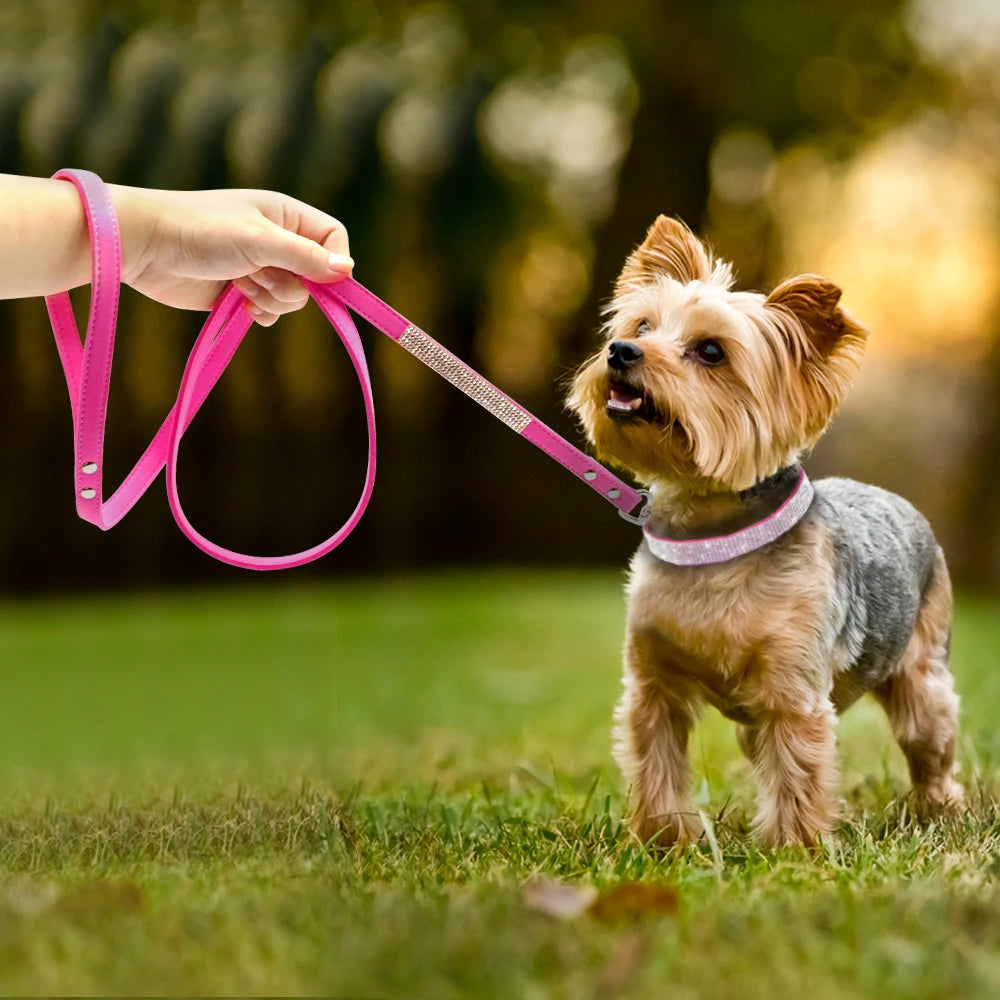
790	358
739	645
750	637
670	248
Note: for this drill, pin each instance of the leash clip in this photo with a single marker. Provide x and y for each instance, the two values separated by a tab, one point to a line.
644	511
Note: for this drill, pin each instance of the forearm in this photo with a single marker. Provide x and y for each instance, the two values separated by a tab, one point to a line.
44	247
178	247
44	244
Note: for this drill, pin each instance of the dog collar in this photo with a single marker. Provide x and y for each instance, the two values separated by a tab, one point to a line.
722	548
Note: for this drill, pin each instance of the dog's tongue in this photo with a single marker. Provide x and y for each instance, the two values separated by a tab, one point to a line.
620	399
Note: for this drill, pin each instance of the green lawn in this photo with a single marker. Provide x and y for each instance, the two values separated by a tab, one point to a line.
342	789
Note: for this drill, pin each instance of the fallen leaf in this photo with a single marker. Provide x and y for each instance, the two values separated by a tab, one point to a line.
26	897
631	901
558	899
101	894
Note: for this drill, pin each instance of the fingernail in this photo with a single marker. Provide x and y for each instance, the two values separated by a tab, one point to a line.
255	312
250	289
338	262
264	279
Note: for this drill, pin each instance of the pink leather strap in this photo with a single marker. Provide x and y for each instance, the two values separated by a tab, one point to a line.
87	368
425	348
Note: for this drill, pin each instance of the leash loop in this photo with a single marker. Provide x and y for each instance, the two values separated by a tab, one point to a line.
87	368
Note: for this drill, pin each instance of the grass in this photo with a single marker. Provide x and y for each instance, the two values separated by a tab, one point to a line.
341	790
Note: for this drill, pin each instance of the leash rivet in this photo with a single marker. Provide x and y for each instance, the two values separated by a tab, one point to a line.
88	494
89	467
590	475
614	494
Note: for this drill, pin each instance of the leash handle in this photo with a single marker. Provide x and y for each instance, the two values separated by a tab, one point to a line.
87	368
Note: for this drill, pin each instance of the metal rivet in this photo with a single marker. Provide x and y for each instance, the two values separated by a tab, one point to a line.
614	494
89	467
88	494
590	475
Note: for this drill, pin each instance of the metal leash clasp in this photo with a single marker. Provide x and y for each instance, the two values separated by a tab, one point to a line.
644	511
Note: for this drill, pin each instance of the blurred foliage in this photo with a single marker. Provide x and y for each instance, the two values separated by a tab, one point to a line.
493	164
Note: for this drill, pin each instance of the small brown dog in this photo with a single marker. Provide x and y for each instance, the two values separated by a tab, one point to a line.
806	597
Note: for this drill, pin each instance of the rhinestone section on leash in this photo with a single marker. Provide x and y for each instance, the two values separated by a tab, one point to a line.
487	395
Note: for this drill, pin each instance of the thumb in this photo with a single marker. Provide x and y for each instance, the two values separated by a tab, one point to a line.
278	247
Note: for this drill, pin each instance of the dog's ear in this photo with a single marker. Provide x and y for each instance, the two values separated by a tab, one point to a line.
815	303
824	341
669	249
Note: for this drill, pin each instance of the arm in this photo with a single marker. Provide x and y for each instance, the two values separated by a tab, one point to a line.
43	237
178	247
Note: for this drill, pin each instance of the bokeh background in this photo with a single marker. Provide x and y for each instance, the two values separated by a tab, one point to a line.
494	163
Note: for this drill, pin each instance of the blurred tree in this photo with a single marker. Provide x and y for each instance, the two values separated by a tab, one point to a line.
493	164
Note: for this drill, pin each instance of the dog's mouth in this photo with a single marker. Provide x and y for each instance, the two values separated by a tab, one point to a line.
628	402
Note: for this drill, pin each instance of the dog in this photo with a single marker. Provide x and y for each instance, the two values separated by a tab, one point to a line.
785	616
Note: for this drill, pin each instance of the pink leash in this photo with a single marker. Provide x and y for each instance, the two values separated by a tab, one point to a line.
87	367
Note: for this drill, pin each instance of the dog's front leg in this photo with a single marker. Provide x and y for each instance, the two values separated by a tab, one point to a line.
652	724
796	765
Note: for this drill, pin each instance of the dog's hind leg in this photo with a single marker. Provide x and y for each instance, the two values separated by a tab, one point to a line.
920	700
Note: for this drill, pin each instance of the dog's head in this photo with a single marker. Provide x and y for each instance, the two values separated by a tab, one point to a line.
700	384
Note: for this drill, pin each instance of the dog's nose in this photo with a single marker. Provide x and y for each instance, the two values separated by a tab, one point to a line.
622	354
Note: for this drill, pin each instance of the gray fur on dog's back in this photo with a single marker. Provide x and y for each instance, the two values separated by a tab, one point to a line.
885	553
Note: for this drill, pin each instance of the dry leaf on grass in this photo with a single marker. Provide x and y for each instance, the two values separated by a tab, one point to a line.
628	901
558	899
27	896
101	894
633	901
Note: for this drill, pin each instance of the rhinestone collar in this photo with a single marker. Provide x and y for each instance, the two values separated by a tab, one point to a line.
705	551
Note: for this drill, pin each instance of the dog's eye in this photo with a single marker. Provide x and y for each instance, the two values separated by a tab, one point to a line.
642	328
709	352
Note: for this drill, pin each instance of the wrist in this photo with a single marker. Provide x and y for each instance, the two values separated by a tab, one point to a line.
135	225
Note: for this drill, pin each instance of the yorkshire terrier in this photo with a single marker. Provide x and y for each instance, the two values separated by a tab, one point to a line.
777	601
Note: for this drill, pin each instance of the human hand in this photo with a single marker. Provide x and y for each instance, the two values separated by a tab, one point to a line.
182	247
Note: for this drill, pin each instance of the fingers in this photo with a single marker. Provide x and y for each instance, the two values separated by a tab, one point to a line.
280	248
302	218
293	239
271	293
303	240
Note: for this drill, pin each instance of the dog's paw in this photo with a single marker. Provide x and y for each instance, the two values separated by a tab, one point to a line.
667	830
945	796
